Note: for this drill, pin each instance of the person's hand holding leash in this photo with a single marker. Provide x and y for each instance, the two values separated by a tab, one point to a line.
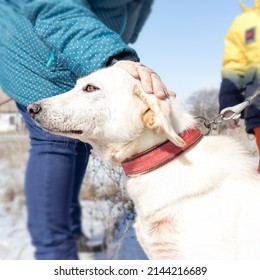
150	80
232	123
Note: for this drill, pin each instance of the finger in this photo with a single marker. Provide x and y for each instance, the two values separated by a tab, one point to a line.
150	81
237	123
227	123
232	124
129	66
171	93
147	68
159	88
146	79
168	93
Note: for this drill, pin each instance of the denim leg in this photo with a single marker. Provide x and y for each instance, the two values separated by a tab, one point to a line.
55	170
82	151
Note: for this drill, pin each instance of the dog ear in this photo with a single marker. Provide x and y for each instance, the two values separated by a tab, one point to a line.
158	116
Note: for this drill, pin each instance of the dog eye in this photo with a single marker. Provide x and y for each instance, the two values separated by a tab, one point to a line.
90	88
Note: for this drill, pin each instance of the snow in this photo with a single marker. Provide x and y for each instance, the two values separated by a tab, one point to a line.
15	241
102	219
14	238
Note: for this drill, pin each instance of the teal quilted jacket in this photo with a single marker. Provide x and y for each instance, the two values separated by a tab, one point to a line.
46	45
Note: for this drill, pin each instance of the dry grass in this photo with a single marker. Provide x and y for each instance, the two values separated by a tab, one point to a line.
13	155
101	184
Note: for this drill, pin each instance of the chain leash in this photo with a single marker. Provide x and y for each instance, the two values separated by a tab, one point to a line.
228	113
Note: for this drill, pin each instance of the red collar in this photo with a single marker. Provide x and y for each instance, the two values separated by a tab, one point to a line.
160	154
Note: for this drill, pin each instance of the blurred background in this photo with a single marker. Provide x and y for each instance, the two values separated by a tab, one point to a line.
183	41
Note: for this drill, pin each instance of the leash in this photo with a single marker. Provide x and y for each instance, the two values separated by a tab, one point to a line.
234	111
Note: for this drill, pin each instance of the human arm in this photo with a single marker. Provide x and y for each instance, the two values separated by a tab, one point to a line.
75	34
83	43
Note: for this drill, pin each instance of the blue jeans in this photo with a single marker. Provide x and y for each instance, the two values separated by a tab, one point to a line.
55	171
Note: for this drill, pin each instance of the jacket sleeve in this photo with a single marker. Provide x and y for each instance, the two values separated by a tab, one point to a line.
73	32
233	70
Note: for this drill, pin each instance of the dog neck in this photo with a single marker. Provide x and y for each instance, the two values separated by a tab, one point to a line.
160	154
116	153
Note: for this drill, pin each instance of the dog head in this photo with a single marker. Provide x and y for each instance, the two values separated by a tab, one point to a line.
109	110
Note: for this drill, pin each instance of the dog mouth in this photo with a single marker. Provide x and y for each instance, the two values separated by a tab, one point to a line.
64	132
78	132
60	131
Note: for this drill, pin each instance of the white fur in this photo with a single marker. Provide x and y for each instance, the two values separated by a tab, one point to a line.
203	205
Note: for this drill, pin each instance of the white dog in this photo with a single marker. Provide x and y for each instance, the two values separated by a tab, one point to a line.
196	197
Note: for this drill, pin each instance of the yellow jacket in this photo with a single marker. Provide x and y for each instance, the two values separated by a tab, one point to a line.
241	63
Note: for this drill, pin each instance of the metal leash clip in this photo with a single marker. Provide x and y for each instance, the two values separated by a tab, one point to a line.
237	109
228	113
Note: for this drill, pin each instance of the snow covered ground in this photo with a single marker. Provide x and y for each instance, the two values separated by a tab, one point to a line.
15	241
101	218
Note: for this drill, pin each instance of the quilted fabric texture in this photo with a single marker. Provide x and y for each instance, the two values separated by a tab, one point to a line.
46	46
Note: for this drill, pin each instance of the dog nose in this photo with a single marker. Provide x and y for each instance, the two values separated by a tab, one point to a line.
33	109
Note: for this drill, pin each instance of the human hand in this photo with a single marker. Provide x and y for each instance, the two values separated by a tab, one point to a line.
231	123
150	80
